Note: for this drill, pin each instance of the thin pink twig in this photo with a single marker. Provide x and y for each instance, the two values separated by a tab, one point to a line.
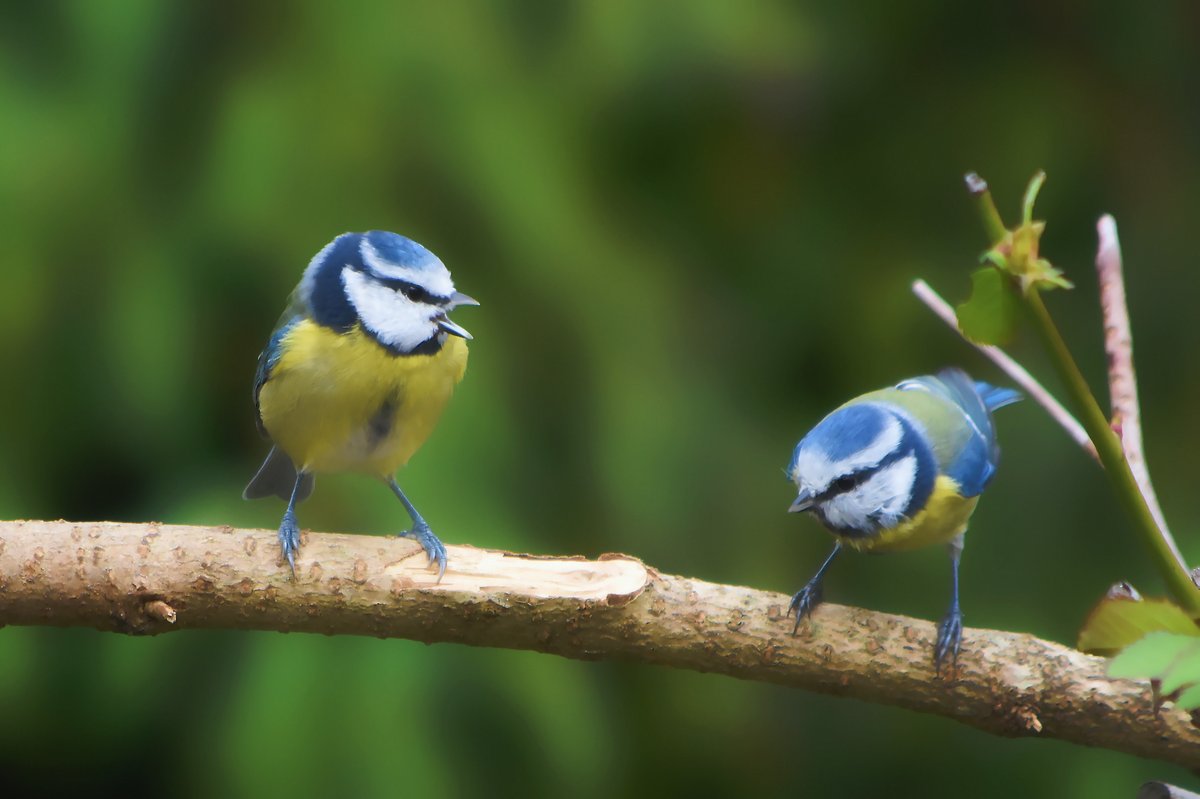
1011	368
1122	380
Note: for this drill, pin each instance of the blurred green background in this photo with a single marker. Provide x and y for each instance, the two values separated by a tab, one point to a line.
692	226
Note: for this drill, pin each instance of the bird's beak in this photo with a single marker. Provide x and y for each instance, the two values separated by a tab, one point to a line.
457	299
803	502
453	329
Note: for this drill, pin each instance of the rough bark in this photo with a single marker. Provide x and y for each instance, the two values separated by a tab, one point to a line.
151	578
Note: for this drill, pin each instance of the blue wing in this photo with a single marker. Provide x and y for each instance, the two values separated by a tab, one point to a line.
277	475
268	359
974	464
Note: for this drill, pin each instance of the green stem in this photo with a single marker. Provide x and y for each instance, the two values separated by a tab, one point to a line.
1112	456
992	223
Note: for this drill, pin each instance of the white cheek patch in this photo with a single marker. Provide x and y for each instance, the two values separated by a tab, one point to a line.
878	502
393	318
816	471
433	276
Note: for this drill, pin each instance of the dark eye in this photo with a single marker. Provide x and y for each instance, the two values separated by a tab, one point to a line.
414	293
844	484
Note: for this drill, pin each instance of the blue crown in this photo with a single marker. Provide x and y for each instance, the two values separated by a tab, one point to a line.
847	430
401	251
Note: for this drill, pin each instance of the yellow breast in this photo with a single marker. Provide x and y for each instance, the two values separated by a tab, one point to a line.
341	402
944	516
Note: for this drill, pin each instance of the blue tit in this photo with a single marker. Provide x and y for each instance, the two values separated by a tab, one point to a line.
897	469
357	373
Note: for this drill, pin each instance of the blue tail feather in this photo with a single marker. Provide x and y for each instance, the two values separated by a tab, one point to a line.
995	396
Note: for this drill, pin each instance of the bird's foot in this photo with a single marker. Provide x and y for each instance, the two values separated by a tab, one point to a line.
804	601
289	539
434	548
948	640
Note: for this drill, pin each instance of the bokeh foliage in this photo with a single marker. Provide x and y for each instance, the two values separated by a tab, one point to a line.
692	227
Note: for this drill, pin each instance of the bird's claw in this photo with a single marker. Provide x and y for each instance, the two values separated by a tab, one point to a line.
804	601
434	548
948	640
289	539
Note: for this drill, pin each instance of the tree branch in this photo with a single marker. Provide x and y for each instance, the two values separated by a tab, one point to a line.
151	578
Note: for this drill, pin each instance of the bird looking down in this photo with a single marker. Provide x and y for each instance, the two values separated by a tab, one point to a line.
357	373
900	468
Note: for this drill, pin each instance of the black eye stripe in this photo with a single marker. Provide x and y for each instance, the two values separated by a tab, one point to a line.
410	290
846	483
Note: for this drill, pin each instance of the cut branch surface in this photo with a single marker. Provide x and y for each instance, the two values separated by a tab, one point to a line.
150	578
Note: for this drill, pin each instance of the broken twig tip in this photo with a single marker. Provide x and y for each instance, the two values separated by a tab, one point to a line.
975	184
157	609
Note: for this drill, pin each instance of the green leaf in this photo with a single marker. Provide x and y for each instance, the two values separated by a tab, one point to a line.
1031	193
1189	699
997	257
1116	623
990	316
1183	672
1151	657
1172	660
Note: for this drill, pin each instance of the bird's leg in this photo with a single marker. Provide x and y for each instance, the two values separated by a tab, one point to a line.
289	531
420	532
950	630
809	596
